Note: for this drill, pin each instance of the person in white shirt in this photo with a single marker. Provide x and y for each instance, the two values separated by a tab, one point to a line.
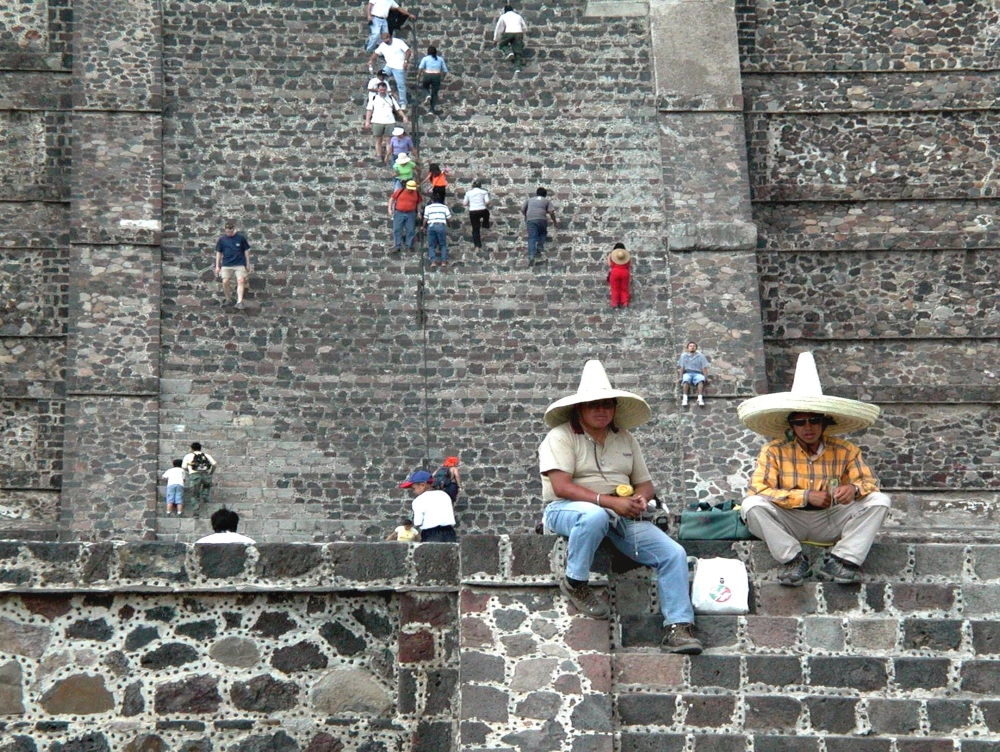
175	487
432	510
224	523
373	82
378	19
200	467
477	200
509	34
436	216
396	54
380	117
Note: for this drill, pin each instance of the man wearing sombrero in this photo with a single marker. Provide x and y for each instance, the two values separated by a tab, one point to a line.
597	486
808	484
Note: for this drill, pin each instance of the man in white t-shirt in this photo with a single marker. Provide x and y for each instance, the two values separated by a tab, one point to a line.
380	117
378	19
396	54
224	523
432	509
509	35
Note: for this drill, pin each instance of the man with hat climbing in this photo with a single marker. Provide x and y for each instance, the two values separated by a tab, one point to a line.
808	484
433	512
597	485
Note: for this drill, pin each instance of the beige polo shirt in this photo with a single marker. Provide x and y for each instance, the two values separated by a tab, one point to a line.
600	468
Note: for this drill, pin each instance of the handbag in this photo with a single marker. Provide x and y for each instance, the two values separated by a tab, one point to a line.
720	587
719	522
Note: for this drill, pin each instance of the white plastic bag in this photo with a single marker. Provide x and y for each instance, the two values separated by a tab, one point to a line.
720	587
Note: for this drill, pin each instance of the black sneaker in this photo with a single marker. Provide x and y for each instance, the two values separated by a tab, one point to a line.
839	570
795	571
680	639
585	599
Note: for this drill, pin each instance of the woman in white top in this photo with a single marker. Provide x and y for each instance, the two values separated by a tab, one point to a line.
478	202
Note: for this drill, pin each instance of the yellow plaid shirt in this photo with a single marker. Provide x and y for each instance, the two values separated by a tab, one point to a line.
784	471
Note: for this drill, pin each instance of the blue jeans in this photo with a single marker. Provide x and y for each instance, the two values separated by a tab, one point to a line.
400	76
377	26
537	233
437	240
175	494
404	222
586	525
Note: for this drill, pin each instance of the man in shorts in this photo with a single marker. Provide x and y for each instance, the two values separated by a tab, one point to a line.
380	118
232	260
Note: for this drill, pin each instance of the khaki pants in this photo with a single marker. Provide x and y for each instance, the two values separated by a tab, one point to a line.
852	526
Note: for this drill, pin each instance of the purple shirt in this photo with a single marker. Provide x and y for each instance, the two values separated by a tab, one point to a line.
401	144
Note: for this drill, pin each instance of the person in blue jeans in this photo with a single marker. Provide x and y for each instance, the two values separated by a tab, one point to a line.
536	211
597	486
436	216
378	19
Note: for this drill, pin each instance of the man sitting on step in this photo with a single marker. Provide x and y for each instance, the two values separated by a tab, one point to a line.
598	486
809	485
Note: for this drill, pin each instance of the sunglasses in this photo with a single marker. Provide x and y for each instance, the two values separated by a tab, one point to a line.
799	422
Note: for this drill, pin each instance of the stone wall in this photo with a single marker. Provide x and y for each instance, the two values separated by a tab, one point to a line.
437	647
871	154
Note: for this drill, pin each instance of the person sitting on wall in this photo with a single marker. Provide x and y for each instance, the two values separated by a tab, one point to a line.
809	485
586	457
224	523
692	368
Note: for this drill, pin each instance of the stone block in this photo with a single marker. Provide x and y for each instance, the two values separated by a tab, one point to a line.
892	717
487	704
539	705
585	633
991	714
369	562
939	560
716	671
593	713
944	716
856	672
785	744
593	743
645	630
636	742
482	667
718	631
651	670
436	565
925	745
874	634
225	561
435	610
773	631
550	736
986	562
531	556
192	695
980	677
596	669
773	670
985	637
921	597
921	673
480	556
635	709
932	634
888	561
777	600
980	600
835	715
708	711
532	674
416	647
286	560
856	744
440	692
841	599
823	633
772	713
432	736
719	743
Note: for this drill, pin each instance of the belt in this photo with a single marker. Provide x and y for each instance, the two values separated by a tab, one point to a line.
437	223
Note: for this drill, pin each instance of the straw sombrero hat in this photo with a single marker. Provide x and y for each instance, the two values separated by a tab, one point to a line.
768	413
620	256
631	411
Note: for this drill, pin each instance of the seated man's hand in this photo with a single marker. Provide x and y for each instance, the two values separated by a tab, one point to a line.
630	507
844	494
819	499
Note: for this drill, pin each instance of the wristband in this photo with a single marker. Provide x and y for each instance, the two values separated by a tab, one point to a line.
599	500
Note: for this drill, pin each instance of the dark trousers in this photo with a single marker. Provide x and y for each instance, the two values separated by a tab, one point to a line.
514	43
441	534
480	219
432	85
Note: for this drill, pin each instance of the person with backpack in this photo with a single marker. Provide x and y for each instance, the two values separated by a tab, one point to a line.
447	478
200	467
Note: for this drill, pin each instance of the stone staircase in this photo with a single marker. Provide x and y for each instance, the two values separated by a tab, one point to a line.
351	365
904	661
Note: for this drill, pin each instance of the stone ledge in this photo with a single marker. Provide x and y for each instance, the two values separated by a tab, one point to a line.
712	236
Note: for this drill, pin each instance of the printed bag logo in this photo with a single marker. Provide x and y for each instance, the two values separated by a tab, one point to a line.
720	593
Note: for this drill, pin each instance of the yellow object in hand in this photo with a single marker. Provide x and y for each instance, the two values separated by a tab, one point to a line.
624	490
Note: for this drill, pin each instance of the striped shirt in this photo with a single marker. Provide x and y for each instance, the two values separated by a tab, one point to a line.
784	471
437	214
